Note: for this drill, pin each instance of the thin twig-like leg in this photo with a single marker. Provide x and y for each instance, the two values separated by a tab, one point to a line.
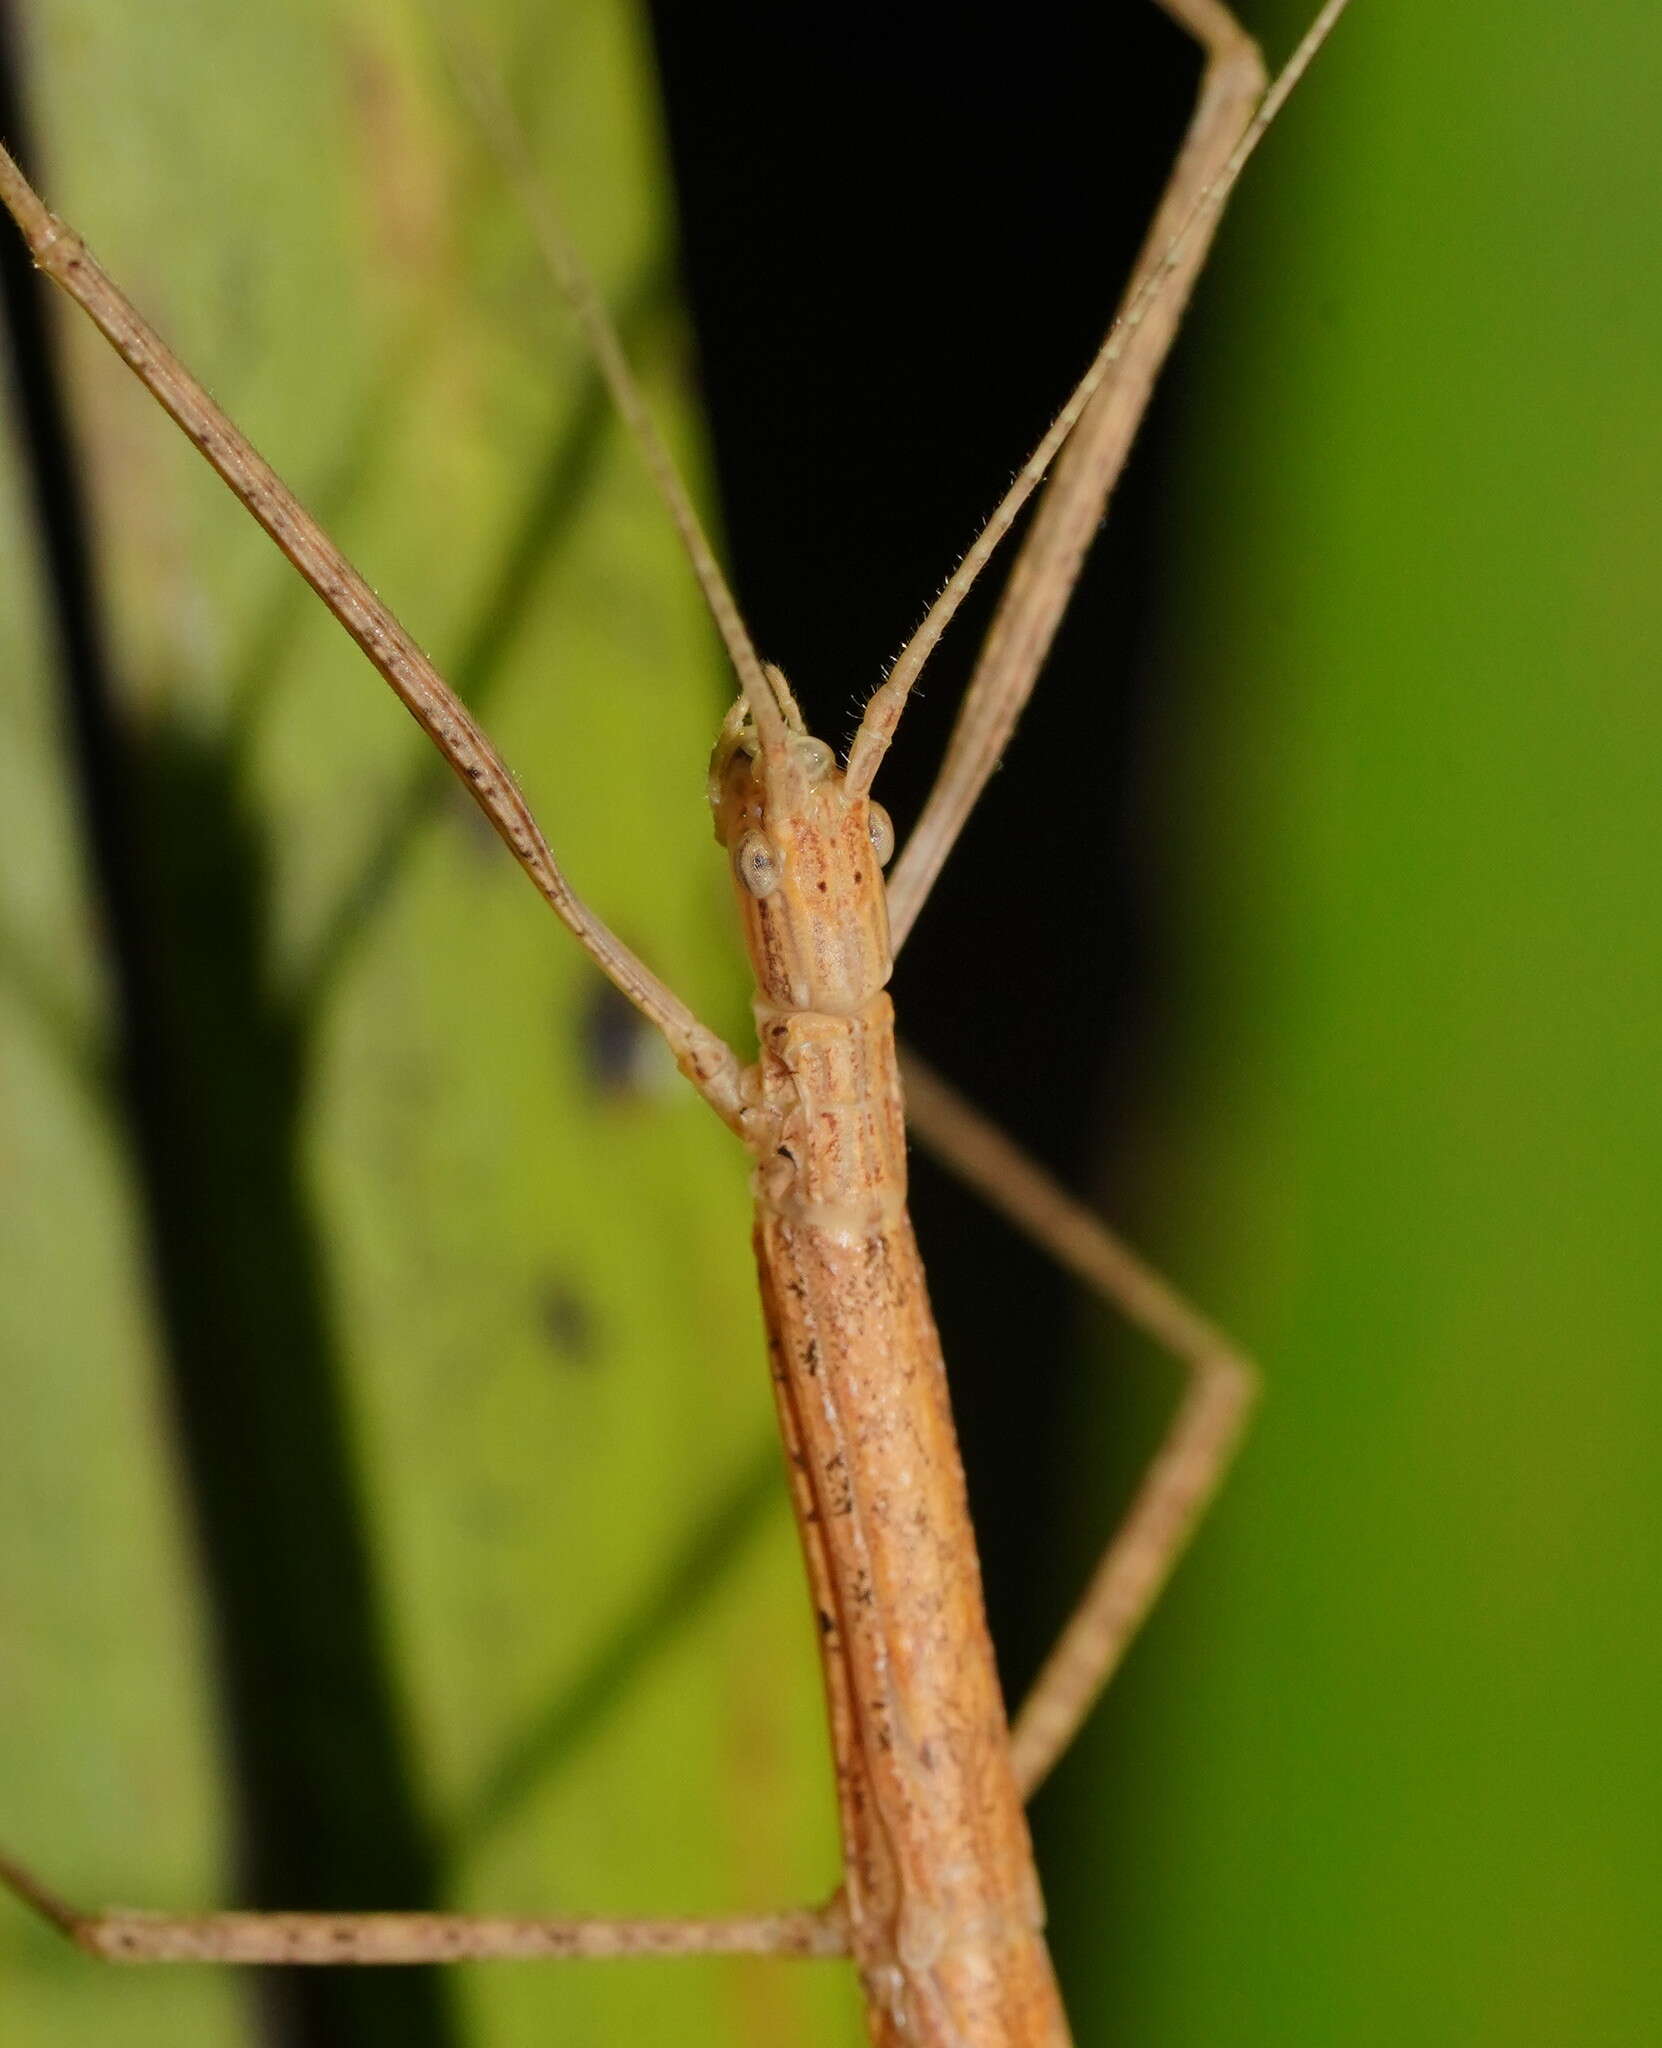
1072	504
887	702
1189	1465
708	1062
1042	580
384	1938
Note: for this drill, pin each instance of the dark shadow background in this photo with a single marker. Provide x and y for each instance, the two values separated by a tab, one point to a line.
903	234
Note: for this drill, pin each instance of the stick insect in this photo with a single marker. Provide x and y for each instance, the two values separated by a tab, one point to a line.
939	1906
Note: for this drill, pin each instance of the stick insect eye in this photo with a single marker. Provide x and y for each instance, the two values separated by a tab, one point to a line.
881	827
757	864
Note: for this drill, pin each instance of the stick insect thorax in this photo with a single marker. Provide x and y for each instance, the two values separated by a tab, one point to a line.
801	837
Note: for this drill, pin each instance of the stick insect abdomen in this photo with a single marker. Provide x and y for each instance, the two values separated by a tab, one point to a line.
944	1910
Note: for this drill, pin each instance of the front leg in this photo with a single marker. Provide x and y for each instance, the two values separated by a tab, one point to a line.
1074	499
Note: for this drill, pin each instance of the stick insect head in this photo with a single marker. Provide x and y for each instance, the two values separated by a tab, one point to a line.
807	855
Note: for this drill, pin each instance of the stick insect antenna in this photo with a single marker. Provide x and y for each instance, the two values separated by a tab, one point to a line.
882	713
505	136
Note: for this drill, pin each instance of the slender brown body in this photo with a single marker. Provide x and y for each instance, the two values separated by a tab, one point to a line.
945	1918
943	1903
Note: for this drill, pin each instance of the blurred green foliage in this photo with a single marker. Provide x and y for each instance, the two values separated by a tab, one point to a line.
1384	1771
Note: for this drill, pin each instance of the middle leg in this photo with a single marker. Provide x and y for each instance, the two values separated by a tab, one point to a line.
1190	1464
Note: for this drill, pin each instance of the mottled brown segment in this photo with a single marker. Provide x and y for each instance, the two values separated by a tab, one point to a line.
944	1909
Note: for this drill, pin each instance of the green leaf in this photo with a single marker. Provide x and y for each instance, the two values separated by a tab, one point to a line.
388	1431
